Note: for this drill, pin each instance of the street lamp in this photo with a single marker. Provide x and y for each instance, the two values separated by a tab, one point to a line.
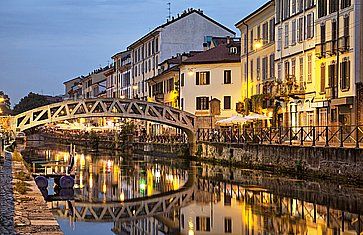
258	44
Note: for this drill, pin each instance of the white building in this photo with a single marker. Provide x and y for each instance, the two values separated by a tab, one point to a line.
184	33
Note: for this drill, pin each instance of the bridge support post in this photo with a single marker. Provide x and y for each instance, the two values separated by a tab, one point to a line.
192	143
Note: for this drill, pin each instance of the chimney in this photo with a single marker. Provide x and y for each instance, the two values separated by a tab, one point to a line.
228	40
205	46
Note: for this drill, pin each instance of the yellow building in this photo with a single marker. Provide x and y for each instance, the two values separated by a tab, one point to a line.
258	59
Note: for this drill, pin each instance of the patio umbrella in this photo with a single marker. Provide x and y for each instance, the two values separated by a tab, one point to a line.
236	119
256	116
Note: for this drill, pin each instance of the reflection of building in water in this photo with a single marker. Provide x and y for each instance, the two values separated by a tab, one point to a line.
224	208
151	225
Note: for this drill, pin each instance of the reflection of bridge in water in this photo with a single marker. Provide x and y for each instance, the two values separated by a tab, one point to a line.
131	209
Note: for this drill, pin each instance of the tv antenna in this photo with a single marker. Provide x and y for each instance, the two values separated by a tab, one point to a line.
169	10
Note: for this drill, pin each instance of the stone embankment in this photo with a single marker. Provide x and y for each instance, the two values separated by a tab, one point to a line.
340	164
31	213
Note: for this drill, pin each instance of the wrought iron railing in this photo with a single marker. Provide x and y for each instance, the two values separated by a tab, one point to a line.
328	136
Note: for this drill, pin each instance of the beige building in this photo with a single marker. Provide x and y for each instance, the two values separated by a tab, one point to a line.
258	60
213	75
338	60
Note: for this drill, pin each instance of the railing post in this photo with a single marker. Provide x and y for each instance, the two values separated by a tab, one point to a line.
314	137
238	136
357	137
301	136
326	136
280	135
341	137
290	135
270	135
230	134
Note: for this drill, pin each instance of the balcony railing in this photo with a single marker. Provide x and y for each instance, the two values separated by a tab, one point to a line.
324	136
344	44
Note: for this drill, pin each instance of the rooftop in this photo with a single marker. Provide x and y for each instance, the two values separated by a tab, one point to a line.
180	16
220	54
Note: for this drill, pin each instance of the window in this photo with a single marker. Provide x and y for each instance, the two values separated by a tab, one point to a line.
169	85
182	77
227	76
157	44
202	224
300	5
182	103
265	32
301	60
251	40
322	77
333	6
245	43
322	34
331	75
286	35
309	4
310	25
272	66
227	102
245	71
287	70
227	225
286	9
345	3
258	33
293	10
251	70
346	26
272	30
293	69
279	39
293	33
202	78
334	30
258	68
310	68
322	8
264	68
202	103
345	74
300	29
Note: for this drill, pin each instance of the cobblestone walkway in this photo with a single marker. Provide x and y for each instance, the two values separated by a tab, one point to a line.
6	197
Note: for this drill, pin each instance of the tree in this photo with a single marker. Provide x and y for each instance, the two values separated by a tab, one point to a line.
32	101
4	104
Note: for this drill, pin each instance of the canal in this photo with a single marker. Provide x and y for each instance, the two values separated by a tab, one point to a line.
118	194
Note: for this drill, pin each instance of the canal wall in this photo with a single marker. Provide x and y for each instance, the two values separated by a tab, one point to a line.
31	213
323	162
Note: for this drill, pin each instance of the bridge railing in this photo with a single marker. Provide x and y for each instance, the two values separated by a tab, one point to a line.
328	136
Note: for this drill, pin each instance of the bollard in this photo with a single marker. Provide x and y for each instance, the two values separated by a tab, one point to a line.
66	182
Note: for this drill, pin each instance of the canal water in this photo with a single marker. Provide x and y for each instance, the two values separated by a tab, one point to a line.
118	194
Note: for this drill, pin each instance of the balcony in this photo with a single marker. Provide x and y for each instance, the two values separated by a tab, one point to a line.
344	44
331	47
320	50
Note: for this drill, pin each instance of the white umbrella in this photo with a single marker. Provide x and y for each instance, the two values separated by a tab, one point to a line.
236	119
256	116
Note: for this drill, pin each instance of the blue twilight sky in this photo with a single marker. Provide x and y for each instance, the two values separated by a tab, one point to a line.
46	42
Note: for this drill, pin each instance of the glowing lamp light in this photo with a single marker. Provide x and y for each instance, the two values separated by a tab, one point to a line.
122	97
142	184
190	72
135	87
258	45
2	99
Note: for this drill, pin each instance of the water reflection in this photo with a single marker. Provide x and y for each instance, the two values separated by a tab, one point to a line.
217	200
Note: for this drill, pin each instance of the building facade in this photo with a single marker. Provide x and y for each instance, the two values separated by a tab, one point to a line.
182	34
118	82
210	83
339	59
258	60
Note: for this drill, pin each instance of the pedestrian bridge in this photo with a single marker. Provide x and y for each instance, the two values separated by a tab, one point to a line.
87	108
